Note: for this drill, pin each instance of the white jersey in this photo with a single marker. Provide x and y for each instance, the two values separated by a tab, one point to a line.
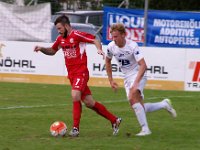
127	56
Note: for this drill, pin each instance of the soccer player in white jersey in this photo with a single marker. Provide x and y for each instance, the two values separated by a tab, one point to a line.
133	66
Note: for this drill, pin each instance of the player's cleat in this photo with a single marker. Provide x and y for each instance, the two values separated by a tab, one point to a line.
144	133
170	108
74	132
116	125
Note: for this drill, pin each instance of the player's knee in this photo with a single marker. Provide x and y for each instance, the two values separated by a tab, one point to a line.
133	101
76	97
89	103
132	95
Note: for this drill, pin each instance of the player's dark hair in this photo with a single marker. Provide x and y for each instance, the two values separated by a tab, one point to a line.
62	19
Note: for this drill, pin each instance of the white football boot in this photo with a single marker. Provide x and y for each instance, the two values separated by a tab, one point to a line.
116	125
74	132
144	133
170	108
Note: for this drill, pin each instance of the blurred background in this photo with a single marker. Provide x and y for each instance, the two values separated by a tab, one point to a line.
92	20
58	5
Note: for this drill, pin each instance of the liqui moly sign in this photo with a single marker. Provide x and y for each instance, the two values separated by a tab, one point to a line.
134	23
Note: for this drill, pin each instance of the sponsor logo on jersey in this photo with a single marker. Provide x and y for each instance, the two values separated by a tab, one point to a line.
71	40
121	55
126	52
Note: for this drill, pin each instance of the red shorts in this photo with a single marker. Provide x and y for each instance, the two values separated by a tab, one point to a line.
79	82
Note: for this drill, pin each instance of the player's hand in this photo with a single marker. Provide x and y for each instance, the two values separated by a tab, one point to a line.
114	86
100	52
37	48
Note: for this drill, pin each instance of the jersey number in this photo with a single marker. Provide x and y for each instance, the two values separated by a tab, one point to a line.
77	81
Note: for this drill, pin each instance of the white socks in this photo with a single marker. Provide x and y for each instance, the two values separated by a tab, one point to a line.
141	116
149	107
140	112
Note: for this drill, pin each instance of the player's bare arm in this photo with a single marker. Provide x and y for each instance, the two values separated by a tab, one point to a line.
142	69
99	48
44	50
113	84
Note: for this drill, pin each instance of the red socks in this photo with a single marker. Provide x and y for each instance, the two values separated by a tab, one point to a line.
101	110
98	108
77	109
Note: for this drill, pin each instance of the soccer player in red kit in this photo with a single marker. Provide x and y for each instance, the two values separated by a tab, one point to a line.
73	43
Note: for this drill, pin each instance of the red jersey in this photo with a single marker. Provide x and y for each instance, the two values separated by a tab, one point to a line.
73	47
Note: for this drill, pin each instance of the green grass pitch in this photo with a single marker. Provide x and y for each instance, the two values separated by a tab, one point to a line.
27	111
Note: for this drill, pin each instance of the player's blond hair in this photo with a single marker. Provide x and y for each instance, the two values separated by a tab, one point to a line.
118	27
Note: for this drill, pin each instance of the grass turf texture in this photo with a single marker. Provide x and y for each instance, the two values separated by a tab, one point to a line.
27	111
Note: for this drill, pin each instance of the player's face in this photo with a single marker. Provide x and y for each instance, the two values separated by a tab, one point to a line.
118	38
61	29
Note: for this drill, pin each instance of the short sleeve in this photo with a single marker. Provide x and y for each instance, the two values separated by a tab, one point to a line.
56	44
109	53
137	54
84	36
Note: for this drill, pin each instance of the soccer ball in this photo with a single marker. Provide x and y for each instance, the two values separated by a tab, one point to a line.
58	128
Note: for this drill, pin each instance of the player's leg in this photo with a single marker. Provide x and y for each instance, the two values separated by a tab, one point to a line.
101	110
164	104
77	110
77	106
150	107
135	97
137	105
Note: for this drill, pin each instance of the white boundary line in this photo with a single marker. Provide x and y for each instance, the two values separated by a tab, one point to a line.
52	105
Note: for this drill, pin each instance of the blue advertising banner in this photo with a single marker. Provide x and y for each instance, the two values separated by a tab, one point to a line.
173	29
133	20
164	28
